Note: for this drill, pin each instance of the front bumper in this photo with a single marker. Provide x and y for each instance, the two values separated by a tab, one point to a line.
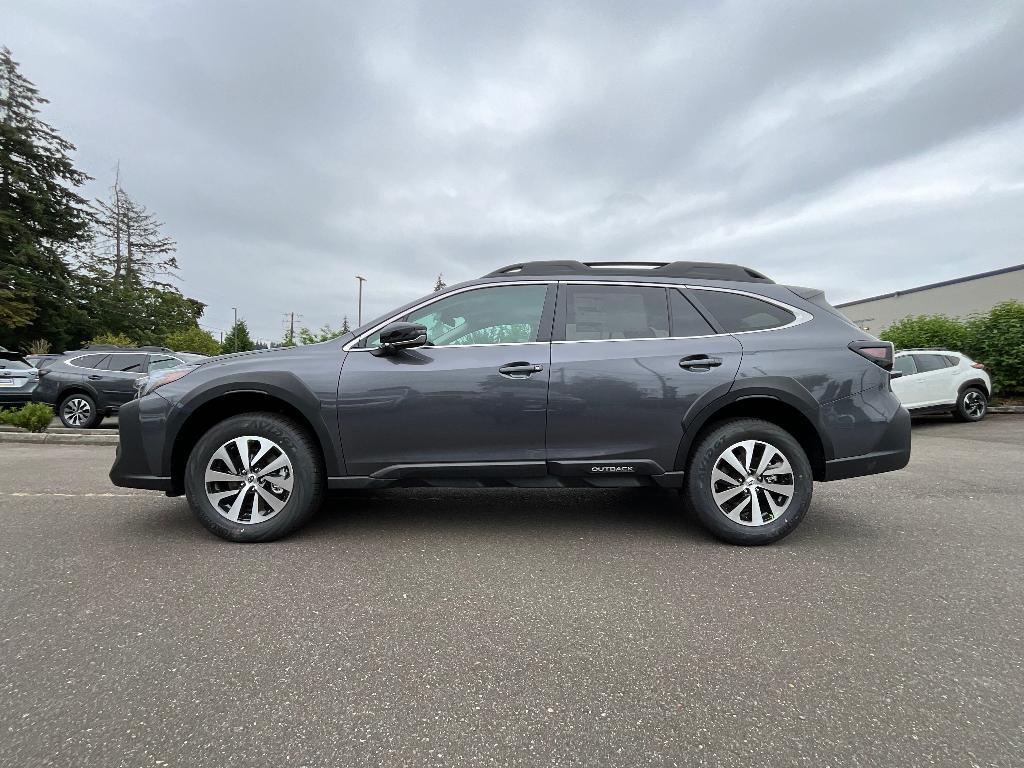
140	461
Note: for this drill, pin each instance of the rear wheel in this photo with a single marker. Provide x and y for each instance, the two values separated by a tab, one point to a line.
254	477
749	482
972	405
79	411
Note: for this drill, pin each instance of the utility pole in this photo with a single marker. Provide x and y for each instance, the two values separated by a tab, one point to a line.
236	314
359	315
289	323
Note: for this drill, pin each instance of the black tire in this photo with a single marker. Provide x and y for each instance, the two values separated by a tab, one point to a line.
699	486
307	476
73	407
971	405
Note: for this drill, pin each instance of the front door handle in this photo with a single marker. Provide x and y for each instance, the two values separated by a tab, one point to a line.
520	370
699	362
94	377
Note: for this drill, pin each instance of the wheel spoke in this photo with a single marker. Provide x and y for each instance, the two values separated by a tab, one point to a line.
216	476
281	481
217	496
734	513
222	454
279	463
242	444
275	503
236	505
724	496
767	455
756	518
783	489
734	462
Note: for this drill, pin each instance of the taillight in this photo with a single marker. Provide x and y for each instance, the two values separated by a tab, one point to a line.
41	372
979	366
878	352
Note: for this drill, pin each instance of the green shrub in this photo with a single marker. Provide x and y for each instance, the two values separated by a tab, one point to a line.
35	417
193	339
926	331
995	338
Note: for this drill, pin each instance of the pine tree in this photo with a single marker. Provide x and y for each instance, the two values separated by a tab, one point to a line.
440	285
131	249
238	339
41	218
344	325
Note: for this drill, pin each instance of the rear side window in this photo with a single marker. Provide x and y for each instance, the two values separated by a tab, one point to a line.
603	312
90	361
686	320
737	313
904	365
953	361
927	363
12	363
127	363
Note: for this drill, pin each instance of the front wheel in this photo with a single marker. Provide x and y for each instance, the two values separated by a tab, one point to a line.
254	477
749	482
972	405
79	411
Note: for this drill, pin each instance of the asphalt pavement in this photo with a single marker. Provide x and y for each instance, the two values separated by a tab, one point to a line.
518	628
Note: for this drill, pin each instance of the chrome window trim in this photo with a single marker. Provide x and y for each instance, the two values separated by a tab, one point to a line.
350	347
799	316
71	362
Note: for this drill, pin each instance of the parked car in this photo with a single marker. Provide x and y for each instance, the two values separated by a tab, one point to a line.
88	384
938	380
18	379
705	377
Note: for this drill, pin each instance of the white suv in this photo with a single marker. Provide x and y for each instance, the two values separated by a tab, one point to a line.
939	380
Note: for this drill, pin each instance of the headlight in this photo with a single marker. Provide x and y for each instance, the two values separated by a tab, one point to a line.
154	381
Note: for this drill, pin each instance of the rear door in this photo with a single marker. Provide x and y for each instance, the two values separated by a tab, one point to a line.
117	383
935	379
627	362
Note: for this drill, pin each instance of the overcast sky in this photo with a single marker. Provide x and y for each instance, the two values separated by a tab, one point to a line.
856	147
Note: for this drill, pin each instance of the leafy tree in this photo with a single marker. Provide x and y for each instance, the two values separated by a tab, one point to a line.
440	285
117	339
41	218
194	340
238	339
326	333
997	340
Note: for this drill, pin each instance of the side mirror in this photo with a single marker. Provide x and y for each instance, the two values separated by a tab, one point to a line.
895	374
399	336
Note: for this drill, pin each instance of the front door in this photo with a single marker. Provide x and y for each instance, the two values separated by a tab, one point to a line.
477	393
627	363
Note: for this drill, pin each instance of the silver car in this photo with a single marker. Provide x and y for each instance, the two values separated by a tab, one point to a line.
18	379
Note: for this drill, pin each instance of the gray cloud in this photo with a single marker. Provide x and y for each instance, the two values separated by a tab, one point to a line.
857	147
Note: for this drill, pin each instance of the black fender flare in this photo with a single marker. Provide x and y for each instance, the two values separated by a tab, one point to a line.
280	385
974	383
782	389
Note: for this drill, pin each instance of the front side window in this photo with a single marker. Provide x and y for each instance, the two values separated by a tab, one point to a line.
737	313
603	312
160	362
904	365
508	314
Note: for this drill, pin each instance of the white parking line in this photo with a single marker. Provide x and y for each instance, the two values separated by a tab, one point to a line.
81	495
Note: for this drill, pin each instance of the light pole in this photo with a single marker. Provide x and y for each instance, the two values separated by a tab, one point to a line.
235	309
359	315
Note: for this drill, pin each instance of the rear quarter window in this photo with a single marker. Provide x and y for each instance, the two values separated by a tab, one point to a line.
737	313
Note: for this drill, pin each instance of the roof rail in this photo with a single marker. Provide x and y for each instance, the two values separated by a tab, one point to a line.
119	348
697	270
924	349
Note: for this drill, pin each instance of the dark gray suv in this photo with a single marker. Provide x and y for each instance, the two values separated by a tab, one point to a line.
709	378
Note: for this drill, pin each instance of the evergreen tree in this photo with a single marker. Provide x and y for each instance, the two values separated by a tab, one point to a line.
41	219
344	325
238	339
440	285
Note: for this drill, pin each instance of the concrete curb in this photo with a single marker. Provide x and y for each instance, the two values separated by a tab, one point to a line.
1006	409
57	439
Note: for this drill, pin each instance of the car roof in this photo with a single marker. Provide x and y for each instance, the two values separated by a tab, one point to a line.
694	270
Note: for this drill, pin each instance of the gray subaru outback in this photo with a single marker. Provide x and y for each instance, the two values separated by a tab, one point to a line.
709	378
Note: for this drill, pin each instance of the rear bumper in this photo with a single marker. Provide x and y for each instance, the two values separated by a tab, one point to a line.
891	452
14	398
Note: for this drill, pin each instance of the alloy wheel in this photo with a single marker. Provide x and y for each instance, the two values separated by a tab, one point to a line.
752	483
974	404
76	411
249	479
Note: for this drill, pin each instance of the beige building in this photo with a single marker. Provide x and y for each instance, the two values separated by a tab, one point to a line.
956	298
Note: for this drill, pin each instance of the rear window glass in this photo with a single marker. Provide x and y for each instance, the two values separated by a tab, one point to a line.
686	320
12	363
615	312
927	363
127	363
737	313
90	361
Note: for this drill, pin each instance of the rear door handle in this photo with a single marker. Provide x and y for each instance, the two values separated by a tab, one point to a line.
520	370
699	362
94	377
